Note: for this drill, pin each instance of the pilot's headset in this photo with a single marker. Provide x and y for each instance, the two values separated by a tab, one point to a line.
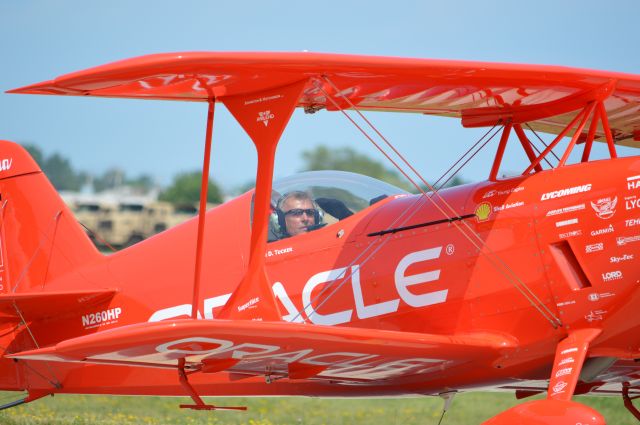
317	216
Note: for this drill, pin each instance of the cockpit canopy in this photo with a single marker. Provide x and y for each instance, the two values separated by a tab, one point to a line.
336	194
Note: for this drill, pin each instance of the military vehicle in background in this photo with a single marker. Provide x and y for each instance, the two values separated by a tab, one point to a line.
124	222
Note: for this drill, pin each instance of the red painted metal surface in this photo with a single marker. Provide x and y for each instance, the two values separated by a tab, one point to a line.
530	265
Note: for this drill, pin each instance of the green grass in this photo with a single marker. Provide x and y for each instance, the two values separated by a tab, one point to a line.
471	408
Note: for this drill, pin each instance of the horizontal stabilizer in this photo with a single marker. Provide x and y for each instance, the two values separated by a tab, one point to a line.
42	305
276	349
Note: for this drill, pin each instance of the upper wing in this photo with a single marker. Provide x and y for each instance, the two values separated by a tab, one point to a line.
278	349
477	92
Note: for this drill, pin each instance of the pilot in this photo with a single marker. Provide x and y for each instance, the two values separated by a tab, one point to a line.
297	213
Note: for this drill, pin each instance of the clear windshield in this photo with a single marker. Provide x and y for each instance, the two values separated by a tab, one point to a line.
336	195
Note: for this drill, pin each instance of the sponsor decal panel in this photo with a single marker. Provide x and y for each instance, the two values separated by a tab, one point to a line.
5	164
563	372
508	206
264	117
483	211
101	318
632	222
566	360
559	387
570	234
597	297
633	182
603	231
495	192
594	247
566	222
631	202
611	276
595	315
565	192
569	209
605	208
623	240
620	258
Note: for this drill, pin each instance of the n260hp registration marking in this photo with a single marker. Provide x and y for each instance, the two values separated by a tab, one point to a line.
101	318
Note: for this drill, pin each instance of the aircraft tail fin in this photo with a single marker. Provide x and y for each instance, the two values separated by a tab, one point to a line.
40	239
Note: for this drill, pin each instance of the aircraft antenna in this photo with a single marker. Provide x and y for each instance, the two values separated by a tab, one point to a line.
506	271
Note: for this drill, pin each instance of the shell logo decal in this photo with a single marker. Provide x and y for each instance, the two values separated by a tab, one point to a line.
483	211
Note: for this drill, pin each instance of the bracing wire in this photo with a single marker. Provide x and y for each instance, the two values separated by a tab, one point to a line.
494	259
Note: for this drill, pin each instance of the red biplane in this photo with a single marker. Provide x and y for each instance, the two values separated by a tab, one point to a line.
336	284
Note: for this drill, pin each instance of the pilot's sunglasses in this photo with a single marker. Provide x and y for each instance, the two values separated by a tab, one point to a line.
297	212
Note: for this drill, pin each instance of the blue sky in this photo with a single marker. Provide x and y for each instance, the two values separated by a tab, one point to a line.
40	40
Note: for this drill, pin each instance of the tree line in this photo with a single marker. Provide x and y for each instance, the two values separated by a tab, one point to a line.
185	187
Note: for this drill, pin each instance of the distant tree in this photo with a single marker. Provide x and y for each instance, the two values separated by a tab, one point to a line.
185	189
142	184
58	169
110	179
347	159
36	154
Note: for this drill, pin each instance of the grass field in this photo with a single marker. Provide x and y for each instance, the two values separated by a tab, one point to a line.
471	408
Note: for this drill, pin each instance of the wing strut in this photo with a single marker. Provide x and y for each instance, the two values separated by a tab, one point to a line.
199	404
264	116
204	188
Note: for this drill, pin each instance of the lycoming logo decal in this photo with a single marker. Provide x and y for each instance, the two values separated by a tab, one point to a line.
565	192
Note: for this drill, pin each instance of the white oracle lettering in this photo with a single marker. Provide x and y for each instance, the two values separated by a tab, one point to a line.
214	302
314	316
194	345
568	350
290	357
404	282
565	192
366	311
293	314
240	351
341	359
384	370
5	164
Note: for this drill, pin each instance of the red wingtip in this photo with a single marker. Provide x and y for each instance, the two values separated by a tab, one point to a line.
44	87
